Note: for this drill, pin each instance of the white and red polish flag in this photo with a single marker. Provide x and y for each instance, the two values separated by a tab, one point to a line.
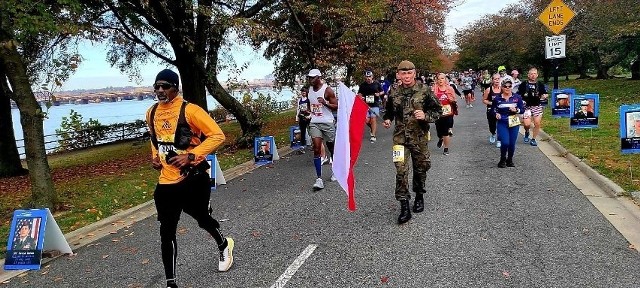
352	111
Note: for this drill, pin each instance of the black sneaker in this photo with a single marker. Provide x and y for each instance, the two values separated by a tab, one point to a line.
439	143
510	164
172	284
446	151
502	164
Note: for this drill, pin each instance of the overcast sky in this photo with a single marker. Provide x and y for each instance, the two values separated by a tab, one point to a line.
95	72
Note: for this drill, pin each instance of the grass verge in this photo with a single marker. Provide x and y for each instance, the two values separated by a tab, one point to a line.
600	148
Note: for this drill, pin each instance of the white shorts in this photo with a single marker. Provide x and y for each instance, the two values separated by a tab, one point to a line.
534	111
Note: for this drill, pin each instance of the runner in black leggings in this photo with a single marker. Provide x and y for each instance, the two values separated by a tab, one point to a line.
487	98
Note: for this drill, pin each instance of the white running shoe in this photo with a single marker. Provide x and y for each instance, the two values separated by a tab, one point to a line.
318	185
373	139
226	256
470	105
498	144
333	178
324	160
492	139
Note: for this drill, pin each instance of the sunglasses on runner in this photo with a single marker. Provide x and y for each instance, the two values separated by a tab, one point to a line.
506	86
165	86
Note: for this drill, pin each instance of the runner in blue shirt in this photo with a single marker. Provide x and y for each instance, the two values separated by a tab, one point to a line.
505	107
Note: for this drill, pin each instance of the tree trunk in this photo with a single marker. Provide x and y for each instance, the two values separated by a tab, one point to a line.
250	124
582	68
43	193
193	86
635	69
602	72
10	164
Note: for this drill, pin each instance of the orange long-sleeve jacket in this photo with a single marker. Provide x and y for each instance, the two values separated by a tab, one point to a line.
165	122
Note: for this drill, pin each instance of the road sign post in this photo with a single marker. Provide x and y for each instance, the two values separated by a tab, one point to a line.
556	16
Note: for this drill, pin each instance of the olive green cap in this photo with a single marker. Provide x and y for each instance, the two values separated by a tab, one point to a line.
406	65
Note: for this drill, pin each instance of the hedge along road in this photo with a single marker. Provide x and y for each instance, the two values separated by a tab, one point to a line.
483	226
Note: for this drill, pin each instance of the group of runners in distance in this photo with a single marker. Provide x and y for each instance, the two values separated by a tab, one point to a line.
510	102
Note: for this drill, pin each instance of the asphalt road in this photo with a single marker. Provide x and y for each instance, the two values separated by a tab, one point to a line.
483	226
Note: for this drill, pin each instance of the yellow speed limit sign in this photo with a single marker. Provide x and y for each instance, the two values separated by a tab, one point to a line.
556	16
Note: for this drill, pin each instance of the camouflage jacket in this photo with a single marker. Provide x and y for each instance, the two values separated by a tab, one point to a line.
400	106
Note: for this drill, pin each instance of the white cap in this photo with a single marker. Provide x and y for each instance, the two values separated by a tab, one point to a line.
562	96
584	102
314	73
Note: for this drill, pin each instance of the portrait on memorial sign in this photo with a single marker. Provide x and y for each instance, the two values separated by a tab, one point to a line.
26	234
584	111
561	102
630	129
263	149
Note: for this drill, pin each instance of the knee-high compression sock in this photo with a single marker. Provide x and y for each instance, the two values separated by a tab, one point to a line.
317	162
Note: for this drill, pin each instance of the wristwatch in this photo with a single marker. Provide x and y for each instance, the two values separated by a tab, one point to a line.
191	156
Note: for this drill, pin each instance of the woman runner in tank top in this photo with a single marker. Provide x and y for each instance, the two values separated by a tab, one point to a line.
487	98
444	93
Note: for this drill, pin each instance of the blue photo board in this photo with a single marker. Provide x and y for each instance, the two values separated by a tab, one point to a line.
561	102
26	239
263	150
295	136
584	111
211	158
630	129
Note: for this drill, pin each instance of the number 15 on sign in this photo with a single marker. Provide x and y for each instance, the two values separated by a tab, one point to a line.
555	46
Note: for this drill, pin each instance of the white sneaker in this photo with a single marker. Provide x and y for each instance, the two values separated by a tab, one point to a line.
319	184
324	160
226	256
373	139
333	178
470	105
492	139
498	144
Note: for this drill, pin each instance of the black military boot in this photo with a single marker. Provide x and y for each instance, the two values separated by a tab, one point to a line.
405	213
418	204
502	163
510	162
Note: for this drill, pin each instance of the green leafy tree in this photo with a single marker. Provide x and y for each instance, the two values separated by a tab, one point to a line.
190	35
30	32
327	36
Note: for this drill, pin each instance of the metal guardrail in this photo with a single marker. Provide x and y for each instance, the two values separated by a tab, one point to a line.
119	132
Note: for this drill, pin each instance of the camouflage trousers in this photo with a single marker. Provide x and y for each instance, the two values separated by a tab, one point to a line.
421	163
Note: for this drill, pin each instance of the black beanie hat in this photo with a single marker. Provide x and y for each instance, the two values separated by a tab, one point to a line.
169	76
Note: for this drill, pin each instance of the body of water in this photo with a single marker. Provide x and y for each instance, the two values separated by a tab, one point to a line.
113	112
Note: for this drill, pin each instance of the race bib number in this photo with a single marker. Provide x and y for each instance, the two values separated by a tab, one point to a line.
164	149
316	109
370	99
446	110
398	153
514	120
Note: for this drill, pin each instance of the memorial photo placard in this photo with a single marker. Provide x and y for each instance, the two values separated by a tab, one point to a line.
263	150
584	111
561	102
630	129
295	136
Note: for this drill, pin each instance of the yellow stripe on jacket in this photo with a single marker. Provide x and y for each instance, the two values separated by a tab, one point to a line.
165	122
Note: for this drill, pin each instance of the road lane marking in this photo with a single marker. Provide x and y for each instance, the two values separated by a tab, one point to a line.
293	268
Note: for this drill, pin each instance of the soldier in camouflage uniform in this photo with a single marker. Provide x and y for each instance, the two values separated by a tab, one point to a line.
412	105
